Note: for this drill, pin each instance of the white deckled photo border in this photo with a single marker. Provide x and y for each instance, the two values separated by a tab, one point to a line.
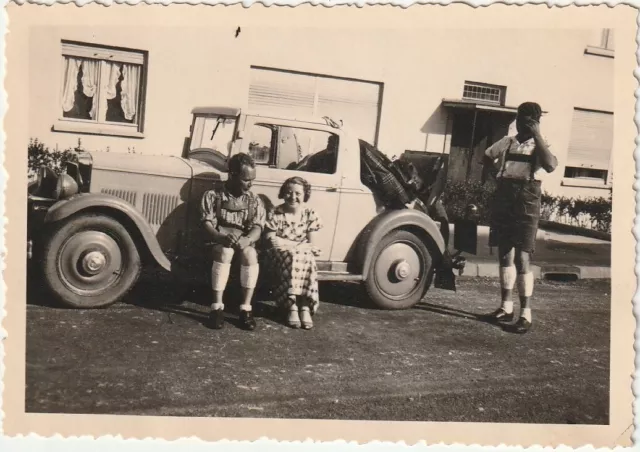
621	225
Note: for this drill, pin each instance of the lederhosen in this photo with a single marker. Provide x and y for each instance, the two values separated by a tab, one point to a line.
234	206
515	209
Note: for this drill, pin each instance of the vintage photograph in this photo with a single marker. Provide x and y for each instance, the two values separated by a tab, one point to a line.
242	219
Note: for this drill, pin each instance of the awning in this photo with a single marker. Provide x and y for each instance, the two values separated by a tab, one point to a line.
471	104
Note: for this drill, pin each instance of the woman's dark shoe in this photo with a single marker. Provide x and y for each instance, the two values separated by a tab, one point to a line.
247	321
500	316
216	319
521	326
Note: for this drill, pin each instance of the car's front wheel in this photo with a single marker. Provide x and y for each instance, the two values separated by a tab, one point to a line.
400	272
90	261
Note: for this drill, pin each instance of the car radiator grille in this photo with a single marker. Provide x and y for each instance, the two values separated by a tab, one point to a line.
156	207
129	196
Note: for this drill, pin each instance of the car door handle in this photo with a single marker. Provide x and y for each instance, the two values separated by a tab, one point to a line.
332	189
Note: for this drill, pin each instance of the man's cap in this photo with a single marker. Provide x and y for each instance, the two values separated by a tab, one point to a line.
530	109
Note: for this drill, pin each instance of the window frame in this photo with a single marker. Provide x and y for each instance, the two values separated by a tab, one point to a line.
502	91
604	49
257	121
100	126
273	146
589	182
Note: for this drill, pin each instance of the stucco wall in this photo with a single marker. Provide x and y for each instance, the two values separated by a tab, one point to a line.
208	66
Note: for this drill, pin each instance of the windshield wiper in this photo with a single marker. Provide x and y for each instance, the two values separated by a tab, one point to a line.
215	129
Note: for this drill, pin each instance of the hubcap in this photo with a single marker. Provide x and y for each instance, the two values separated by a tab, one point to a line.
93	262
89	262
399	269
402	270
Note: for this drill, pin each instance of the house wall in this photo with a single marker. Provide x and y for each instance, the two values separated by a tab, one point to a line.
204	65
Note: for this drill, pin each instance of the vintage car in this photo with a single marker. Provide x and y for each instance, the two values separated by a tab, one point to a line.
107	215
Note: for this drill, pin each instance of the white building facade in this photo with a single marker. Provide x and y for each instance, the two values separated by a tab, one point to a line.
131	89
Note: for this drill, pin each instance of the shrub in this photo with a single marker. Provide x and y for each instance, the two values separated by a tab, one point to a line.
40	155
458	195
594	212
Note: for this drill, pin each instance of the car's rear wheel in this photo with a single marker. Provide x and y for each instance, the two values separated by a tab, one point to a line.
400	272
90	261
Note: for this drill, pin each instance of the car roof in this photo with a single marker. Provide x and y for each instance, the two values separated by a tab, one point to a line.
234	111
216	110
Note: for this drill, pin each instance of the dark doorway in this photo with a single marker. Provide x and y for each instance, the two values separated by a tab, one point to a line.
473	131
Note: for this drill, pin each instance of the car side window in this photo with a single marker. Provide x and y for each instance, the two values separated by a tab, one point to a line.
314	151
294	148
261	144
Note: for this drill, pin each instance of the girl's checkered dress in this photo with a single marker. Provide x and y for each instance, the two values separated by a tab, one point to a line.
294	271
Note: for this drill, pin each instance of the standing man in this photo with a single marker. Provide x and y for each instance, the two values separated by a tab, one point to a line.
517	162
234	217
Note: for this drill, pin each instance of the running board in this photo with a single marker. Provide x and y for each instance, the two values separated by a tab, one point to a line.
338	276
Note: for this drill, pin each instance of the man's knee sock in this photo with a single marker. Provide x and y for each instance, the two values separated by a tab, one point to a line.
249	279
219	278
525	289
507	282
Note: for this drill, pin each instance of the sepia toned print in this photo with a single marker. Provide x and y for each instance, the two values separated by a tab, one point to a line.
244	217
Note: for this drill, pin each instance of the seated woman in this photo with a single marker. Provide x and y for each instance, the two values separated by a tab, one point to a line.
291	230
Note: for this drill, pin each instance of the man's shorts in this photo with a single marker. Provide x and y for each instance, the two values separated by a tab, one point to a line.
515	214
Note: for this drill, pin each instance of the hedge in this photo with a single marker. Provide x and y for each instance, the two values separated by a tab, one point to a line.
592	212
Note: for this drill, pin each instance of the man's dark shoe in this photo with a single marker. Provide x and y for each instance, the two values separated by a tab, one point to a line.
247	321
521	326
500	316
216	319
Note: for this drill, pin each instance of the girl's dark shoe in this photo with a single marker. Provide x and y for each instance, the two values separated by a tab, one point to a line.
500	316
216	319
521	326
247	321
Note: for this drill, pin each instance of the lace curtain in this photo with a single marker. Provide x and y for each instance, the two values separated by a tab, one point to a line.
112	72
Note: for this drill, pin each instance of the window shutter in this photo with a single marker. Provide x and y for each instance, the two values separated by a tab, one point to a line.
591	140
354	102
281	93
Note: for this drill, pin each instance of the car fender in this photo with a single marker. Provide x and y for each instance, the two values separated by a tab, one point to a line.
389	220
104	202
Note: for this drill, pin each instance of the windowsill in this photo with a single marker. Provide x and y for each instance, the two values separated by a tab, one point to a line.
96	129
599	51
585	183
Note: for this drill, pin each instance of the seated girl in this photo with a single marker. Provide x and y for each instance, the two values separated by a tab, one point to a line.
291	230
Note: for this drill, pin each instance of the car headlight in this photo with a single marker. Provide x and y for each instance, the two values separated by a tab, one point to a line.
65	187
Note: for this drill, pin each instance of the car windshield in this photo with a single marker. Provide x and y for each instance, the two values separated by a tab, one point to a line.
212	134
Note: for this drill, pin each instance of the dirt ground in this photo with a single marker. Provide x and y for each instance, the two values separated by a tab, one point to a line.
152	355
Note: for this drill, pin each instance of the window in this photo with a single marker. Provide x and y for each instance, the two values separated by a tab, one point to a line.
590	146
481	91
292	148
602	44
607	39
214	133
293	95
102	90
261	144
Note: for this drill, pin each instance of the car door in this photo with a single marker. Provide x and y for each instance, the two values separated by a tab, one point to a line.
284	149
